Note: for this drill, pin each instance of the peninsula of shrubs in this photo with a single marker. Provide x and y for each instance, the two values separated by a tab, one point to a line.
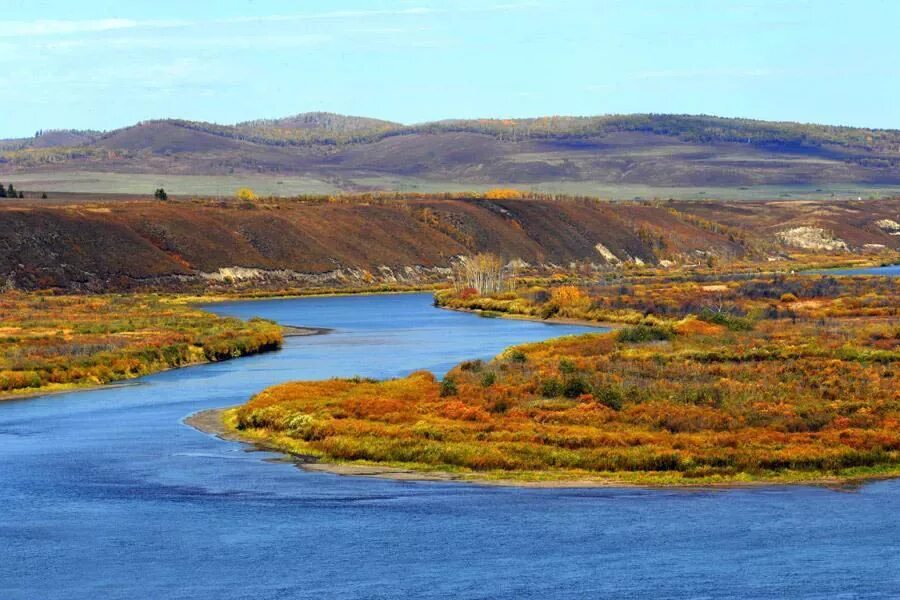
757	379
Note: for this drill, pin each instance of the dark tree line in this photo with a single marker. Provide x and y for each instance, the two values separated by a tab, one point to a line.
10	192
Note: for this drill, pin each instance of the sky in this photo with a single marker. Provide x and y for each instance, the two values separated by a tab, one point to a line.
102	64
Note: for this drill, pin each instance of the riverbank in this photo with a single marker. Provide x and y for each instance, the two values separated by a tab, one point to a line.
487	314
213	422
333	292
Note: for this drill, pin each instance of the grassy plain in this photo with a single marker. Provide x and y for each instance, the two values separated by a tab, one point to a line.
634	191
755	379
52	343
98	182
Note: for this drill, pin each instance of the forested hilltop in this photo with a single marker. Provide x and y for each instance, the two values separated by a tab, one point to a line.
334	129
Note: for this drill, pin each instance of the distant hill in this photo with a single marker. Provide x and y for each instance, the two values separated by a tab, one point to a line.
51	138
363	153
321	121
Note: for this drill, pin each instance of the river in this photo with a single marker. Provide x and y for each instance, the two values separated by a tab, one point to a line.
885	270
107	494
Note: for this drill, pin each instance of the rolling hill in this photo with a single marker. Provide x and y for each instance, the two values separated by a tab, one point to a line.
357	153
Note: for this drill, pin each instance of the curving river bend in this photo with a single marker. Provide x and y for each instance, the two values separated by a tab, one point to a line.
107	494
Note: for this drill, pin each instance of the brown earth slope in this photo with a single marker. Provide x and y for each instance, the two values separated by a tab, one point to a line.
363	240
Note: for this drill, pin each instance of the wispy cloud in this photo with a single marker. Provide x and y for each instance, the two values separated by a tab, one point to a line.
706	73
71	27
137	42
337	15
505	7
179	72
377	13
56	27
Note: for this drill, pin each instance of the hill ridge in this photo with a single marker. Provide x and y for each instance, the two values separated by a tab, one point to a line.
359	152
547	125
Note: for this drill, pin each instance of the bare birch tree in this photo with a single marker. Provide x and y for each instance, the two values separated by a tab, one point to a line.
484	272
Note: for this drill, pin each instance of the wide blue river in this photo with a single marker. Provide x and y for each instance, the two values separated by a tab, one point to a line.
106	494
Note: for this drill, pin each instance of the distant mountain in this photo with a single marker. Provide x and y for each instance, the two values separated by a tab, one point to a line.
647	149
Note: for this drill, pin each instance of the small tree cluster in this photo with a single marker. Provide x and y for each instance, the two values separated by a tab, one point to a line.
10	192
160	194
482	272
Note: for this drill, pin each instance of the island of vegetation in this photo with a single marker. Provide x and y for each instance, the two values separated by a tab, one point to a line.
711	380
54	343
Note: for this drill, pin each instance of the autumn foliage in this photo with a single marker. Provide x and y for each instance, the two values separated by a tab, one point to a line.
52	342
245	194
504	194
780	396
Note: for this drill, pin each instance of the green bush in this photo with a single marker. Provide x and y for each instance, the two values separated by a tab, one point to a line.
448	387
517	356
551	388
488	378
732	322
645	333
609	396
471	365
704	395
576	386
566	366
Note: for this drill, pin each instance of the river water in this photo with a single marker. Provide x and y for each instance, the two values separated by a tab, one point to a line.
886	270
107	494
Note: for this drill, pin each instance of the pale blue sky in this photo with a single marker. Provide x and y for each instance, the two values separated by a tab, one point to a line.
104	64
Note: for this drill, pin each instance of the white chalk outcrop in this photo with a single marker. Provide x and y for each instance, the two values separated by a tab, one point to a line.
811	238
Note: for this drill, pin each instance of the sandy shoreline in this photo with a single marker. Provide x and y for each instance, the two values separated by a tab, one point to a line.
299	331
210	422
